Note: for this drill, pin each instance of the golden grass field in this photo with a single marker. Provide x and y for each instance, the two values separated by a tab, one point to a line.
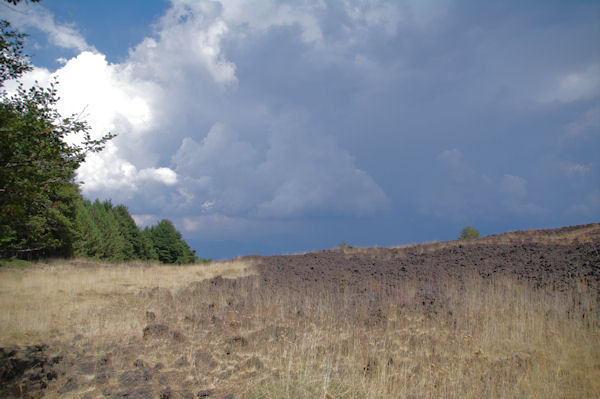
485	338
88	297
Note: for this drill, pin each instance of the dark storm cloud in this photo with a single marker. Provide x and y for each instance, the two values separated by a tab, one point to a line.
383	121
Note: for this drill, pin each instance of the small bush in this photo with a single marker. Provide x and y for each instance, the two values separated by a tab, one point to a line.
469	233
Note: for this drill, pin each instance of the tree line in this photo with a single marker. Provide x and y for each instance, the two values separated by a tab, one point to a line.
42	212
109	232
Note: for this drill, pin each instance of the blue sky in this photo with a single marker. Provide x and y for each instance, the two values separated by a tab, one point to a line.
279	127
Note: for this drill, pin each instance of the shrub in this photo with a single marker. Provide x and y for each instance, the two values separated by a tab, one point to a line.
469	233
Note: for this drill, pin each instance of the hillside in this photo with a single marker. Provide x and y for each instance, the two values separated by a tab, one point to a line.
557	257
510	315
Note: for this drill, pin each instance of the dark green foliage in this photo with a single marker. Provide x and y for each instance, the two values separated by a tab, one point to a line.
12	62
36	182
168	244
147	250
128	231
42	213
89	237
137	245
110	233
60	220
113	242
37	193
468	233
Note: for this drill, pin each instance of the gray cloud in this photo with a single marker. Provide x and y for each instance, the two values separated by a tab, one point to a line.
235	116
185	125
295	174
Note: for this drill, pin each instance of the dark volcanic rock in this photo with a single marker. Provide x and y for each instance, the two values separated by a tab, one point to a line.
178	336
26	371
155	331
238	341
376	269
136	377
142	393
166	393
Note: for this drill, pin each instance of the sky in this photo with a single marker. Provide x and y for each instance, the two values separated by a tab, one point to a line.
272	127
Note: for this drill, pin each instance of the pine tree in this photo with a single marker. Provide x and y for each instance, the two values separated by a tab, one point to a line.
129	231
112	240
88	241
137	245
147	251
169	245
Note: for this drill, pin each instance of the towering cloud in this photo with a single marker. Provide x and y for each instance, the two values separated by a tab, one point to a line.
235	115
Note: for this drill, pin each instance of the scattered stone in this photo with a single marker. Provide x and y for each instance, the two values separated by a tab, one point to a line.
132	378
104	360
181	362
225	374
178	336
217	281
238	340
155	331
160	294
87	367
166	393
26	371
70	385
101	377
143	393
170	377
254	362
204	361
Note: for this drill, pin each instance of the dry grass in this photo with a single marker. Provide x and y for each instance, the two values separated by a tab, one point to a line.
90	298
494	337
486	339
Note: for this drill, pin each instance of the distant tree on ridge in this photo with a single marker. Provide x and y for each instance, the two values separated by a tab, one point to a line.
469	233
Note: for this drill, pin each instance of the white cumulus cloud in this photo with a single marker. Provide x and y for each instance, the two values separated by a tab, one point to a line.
29	15
187	142
189	40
